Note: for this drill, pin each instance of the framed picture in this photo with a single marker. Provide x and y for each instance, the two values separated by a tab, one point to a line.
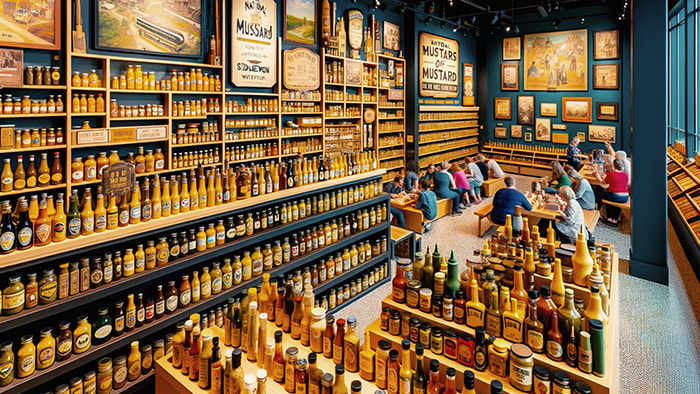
526	110
606	76
467	84
606	44
528	137
548	109
557	126
31	24
300	21
256	54
607	111
500	132
560	138
509	76
516	131
502	108
11	68
150	26
353	72
598	133
392	37
576	109
581	136
390	68
556	61
511	48
543	129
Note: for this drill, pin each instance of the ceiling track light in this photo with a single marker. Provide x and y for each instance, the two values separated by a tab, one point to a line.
431	7
402	9
540	10
508	28
495	19
442	24
517	29
428	20
450	2
455	29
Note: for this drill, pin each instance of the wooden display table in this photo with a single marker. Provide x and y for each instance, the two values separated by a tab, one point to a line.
609	383
170	380
589	174
414	217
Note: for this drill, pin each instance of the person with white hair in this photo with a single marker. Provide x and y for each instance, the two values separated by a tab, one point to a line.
583	189
572	218
622	156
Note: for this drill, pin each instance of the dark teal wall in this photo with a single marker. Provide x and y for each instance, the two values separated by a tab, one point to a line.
594	21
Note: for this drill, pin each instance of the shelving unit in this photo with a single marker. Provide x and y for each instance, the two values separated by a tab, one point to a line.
683	192
446	133
525	160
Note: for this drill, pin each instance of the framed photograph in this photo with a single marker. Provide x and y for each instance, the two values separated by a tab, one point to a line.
557	126
606	45
607	111
31	24
543	129
556	61
548	109
500	132
509	76
300	21
526	110
502	108
353	72
11	68
581	136
598	133
150	26
516	131
511	48
467	84
390	68
528	137
560	138
606	76
576	109
392	37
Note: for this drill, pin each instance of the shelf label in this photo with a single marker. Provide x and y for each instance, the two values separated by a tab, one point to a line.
151	132
125	134
301	69
254	43
92	136
118	179
439	66
395	94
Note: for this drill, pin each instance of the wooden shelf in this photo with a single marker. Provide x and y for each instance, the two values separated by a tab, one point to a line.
446	108
102	145
138	118
252	139
195	144
86	114
139	60
197	117
250	114
30	150
27	191
139	91
37	87
45	115
88	89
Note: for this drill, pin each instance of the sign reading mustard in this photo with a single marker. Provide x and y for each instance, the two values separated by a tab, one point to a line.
301	69
254	43
439	66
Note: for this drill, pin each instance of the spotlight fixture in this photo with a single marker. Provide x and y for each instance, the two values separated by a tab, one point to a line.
556	6
540	10
477	33
442	24
450	2
508	28
428	20
517	29
583	20
431	7
402	9
455	29
473	19
495	19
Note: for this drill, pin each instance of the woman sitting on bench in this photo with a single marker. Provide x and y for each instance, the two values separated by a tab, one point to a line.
616	182
572	218
441	187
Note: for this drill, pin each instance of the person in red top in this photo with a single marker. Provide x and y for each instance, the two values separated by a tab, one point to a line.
615	190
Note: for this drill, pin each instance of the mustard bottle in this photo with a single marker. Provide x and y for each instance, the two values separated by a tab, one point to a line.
475	309
87	216
201	239
134	362
246	266
45	349
582	260
135	205
156	203
130	321
196	286
205	281
184	195
226	275
26	357
138	78
128	263
100	214
215	278
174	197
237	268
594	310
205	359
512	321
82	335
59	221
194	194
166	203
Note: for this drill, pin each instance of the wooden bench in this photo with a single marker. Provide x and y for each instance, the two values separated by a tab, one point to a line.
414	217
491	186
399	235
626	207
590	217
483	213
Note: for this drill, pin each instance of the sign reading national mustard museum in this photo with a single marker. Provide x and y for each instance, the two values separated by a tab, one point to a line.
439	66
254	43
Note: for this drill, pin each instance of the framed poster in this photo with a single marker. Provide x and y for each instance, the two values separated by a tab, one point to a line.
301	69
556	61
31	24
300	21
150	26
511	48
560	138
439	66
606	45
526	110
543	129
392	36
607	111
11	68
254	44
353	72
467	84
576	109
355	32
510	77
598	133
500	132
548	109
502	108
606	76
581	136
516	131
528	137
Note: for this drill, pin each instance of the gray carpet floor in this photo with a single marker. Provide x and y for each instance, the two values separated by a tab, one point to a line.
659	325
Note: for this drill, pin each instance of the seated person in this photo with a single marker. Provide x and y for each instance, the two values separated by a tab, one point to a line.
505	200
475	179
395	188
559	178
428	173
445	167
427	202
482	166
495	171
572	218
622	156
441	187
583	189
461	183
573	155
616	182
410	182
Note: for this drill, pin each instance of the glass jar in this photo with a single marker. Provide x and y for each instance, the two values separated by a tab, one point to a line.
64	341
521	364
89	383
394	322
48	287
104	376
102	326
26	357
562	383
7	363
413	293
82	335
119	372
13	297
290	361
436	340
450	344
76	385
424	334
542	383
498	358
45	349
425	297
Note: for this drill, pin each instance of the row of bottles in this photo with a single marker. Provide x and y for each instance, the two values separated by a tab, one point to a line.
307	95
249	134
201	157
188	81
27	105
335	72
300	131
369	76
194	133
34	138
41	176
529	148
252	106
38	75
337	111
354	287
88	103
201	107
309	145
298	107
86	80
269	123
252	151
135	111
92	168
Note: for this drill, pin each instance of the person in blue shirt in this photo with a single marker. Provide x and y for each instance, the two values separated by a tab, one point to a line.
441	186
583	190
427	202
410	182
505	200
395	188
573	155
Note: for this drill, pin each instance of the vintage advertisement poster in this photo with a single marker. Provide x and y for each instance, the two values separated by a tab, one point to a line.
439	66
467	84
355	31
301	69
254	43
556	61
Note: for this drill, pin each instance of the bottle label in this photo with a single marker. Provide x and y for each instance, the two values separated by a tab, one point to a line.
12	301
535	339
404	386
338	354
64	347
216	285
47	292
512	330
130	318
7	241
554	350
278	372
88	224
171	303
160	307
185	297
237	275
572	352
585	357
26	363
103	332
521	375
82	341
45	356
392	380
124	217
119	324
24	236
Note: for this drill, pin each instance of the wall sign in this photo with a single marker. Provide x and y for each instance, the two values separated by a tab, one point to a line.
355	32
467	84
439	66
301	69
118	179
254	43
121	134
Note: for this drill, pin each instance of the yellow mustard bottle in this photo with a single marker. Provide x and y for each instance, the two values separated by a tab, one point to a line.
166	202
128	263
45	349
205	281
134	362
82	335
215	278
26	357
196	286
247	265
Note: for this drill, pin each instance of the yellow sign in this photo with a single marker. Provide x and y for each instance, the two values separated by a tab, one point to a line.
127	134
439	66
